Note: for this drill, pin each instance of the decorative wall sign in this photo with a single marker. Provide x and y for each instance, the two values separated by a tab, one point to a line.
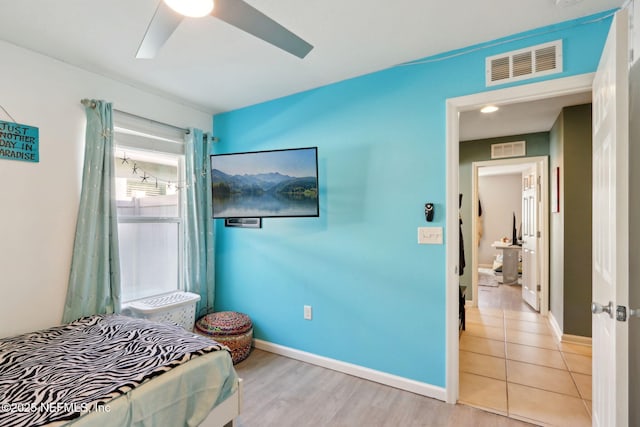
19	142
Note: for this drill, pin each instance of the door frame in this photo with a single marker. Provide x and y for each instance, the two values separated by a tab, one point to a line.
528	92
543	259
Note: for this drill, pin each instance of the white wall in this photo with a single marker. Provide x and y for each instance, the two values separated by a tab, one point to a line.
500	196
39	201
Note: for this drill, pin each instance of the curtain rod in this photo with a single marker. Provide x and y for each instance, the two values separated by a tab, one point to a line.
92	104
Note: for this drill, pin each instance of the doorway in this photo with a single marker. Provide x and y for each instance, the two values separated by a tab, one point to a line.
530	220
515	346
531	92
508	355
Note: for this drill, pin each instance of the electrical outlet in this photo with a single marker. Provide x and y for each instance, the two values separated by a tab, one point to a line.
307	312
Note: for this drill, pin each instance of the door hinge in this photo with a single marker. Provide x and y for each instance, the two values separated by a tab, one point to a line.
539	234
538	288
621	313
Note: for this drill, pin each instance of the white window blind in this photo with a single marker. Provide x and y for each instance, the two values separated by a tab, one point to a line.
147	134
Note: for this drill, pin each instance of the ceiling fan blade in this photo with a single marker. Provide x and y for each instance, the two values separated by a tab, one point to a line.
245	17
162	25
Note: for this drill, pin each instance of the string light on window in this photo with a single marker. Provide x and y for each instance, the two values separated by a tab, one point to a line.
172	187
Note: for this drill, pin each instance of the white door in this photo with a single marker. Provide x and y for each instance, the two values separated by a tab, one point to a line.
530	230
610	229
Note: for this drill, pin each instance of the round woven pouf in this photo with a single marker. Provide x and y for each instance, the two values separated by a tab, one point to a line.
230	328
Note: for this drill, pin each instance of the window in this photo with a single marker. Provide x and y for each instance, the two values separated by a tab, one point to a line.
149	173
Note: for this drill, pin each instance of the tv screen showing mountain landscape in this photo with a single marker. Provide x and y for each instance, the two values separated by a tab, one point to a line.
263	184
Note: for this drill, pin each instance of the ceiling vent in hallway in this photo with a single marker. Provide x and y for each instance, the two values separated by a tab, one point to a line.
522	64
508	149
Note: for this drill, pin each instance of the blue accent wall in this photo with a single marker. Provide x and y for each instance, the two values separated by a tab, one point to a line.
378	297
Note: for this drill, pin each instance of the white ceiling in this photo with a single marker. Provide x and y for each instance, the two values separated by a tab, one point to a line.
519	118
215	67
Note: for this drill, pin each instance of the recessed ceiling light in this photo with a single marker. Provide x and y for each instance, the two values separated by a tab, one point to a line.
489	109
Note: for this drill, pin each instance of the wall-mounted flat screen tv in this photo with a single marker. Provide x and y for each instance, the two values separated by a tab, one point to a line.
265	184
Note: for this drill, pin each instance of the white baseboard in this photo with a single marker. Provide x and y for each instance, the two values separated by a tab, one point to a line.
576	339
555	328
395	381
567	338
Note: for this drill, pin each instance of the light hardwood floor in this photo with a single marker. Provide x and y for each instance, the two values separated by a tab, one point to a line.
279	391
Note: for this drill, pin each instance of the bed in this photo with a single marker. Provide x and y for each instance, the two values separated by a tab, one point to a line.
116	371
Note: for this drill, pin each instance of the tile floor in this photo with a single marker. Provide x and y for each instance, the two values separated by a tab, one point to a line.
511	364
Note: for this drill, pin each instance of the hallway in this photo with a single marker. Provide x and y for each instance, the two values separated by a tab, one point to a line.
511	364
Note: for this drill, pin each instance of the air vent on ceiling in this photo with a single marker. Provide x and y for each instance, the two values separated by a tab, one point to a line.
526	63
508	149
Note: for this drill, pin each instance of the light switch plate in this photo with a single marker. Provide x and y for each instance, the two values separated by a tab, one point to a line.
429	235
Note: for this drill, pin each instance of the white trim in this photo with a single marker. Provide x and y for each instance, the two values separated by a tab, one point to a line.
523	93
395	381
555	328
566	338
452	245
576	339
546	239
475	211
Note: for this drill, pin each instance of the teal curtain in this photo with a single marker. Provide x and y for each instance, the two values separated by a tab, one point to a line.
94	281
199	263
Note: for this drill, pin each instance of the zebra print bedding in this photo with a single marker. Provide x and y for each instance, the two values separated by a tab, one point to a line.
62	372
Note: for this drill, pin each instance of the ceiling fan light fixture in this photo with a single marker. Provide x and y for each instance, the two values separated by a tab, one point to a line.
191	8
489	109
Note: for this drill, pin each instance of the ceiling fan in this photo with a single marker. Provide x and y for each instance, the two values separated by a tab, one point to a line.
238	13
